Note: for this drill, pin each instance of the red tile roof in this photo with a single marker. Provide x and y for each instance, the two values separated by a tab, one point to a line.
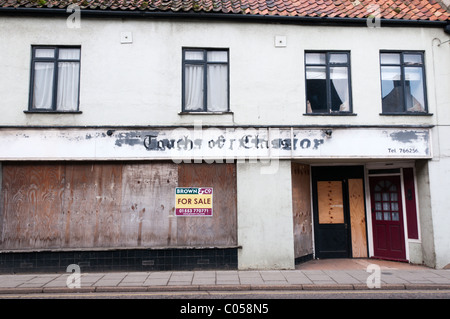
385	9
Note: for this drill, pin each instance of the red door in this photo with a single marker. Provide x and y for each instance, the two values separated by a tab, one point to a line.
387	217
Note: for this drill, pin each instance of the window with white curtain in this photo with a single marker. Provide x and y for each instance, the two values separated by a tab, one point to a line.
327	82
55	79
402	82
205	80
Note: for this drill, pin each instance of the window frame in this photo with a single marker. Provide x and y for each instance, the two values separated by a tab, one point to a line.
204	62
402	66
327	66
55	60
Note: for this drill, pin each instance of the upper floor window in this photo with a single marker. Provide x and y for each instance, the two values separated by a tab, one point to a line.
55	79
328	82
205	80
402	82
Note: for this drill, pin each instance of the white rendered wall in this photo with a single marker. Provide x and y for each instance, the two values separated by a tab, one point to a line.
139	83
439	166
265	223
439	170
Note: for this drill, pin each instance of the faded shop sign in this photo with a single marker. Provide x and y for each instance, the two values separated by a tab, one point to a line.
285	143
193	201
213	143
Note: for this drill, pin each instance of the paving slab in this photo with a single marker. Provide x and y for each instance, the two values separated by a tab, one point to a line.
204	281
156	282
273	276
393	276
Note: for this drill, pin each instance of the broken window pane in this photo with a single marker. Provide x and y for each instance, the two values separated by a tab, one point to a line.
390	58
392	89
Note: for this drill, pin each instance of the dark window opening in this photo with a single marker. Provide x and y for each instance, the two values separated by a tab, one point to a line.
328	82
403	82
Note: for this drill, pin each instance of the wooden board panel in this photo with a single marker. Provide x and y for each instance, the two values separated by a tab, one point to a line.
357	218
331	206
108	191
31	206
221	228
301	205
106	205
148	204
92	205
77	207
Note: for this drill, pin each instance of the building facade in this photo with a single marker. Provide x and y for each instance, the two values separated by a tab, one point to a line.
161	137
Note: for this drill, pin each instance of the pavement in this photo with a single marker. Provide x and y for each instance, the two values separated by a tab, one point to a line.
331	274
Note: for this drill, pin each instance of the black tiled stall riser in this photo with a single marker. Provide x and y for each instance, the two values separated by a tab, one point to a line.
119	260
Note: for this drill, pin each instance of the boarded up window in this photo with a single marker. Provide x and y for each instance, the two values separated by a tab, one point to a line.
331	206
108	205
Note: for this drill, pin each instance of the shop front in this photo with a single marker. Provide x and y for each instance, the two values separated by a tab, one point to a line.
366	210
217	198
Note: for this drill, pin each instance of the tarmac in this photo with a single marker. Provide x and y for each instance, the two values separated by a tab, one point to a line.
331	274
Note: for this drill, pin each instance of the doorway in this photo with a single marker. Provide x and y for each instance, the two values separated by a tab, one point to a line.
387	217
339	211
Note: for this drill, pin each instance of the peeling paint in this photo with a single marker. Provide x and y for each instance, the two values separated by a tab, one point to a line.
131	138
214	143
406	136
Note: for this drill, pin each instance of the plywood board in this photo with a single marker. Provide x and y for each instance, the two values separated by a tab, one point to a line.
148	203
331	206
105	205
92	205
301	205
31	206
357	217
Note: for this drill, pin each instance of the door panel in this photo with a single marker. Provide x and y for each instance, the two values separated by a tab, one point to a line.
338	193
332	236
380	230
387	217
334	241
396	238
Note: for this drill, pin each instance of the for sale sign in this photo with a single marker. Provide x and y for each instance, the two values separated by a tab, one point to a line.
194	201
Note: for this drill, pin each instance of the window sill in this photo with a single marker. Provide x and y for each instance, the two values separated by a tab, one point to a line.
408	114
330	114
51	112
204	113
